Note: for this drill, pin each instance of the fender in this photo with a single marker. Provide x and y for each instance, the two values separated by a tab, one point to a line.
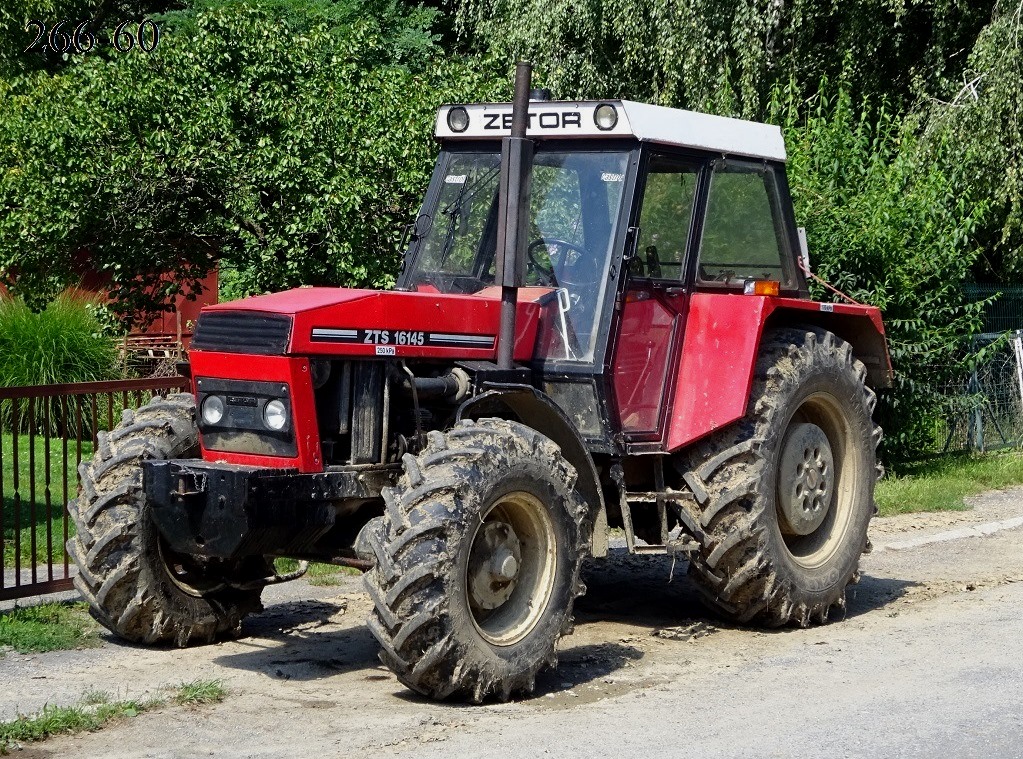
535	409
721	343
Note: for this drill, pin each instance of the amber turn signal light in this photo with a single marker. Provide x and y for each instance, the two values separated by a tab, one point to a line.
760	287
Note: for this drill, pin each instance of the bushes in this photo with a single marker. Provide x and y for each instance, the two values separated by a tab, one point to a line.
289	139
62	343
885	225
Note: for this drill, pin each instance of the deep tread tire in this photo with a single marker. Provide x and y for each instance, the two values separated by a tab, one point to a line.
121	571
745	566
422	616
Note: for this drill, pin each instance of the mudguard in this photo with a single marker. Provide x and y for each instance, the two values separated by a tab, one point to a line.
535	409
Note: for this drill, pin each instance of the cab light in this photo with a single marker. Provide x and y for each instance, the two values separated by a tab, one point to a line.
458	119
605	116
761	287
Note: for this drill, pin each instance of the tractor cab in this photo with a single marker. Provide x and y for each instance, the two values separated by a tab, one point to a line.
633	209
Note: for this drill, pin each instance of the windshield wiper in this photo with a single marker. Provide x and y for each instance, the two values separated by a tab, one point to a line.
454	209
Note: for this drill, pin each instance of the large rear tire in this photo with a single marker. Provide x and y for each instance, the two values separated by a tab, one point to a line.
134	585
786	493
477	562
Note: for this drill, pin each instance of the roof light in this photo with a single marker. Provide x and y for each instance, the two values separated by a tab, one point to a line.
605	116
458	119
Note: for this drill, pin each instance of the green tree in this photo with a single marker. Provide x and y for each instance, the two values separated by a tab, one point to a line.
886	225
725	55
981	113
289	139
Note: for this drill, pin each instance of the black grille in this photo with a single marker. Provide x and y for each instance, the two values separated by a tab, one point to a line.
242	332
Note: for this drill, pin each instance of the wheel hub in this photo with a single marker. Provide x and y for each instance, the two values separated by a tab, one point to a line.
494	565
805	479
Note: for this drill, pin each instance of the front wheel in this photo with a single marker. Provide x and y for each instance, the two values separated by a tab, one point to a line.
477	562
786	493
135	586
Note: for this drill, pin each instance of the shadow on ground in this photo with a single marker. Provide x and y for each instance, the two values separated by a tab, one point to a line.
304	640
309	640
656	593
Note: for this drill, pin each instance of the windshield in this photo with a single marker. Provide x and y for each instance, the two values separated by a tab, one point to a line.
574	207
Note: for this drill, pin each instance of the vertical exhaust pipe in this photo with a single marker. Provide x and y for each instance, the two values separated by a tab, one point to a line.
513	212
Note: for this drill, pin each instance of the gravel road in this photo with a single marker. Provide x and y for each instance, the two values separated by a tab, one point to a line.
926	662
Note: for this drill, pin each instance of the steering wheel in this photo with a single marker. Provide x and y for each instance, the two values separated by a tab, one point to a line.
544	273
581	272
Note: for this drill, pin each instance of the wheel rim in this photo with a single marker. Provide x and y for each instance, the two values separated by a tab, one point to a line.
816	488
511	568
186	573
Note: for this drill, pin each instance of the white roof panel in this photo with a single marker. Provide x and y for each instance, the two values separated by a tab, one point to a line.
648	123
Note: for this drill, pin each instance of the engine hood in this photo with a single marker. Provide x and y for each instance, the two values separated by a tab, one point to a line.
330	321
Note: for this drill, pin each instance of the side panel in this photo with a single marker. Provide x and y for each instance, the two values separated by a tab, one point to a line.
718	354
293	372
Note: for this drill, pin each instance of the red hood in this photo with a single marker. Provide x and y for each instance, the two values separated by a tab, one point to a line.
337	321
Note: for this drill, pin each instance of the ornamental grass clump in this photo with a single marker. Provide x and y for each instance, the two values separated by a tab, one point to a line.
62	343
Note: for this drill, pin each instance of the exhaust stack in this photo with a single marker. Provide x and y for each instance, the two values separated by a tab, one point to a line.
513	212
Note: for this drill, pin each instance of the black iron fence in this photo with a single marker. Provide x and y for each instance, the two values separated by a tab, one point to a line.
45	433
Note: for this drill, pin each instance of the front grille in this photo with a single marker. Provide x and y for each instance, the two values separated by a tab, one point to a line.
242	332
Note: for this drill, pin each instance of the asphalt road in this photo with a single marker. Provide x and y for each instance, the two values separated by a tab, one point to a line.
926	663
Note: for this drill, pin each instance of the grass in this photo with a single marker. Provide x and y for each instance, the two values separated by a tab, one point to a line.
95	710
940	483
200	692
56	720
318	574
48	627
27	476
61	343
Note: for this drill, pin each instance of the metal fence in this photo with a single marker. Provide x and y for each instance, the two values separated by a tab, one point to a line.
45	433
983	408
1004	311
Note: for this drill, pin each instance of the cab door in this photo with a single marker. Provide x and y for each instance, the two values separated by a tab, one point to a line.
655	297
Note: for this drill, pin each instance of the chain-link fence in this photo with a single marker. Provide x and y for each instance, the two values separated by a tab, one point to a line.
983	408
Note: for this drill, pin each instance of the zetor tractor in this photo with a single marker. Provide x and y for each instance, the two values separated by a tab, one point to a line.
602	321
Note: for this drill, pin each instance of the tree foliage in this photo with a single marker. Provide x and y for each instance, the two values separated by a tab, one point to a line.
982	114
725	55
291	139
886	226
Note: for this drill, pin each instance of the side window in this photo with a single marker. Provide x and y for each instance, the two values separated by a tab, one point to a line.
665	219
743	234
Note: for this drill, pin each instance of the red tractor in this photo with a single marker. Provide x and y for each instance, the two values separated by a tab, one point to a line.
602	321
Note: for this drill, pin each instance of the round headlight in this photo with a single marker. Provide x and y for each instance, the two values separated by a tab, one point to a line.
212	409
275	414
605	116
458	119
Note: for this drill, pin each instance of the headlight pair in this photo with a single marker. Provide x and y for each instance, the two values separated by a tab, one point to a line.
275	412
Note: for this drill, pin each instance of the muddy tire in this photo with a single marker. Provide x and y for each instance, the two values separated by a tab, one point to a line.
477	562
785	494
133	585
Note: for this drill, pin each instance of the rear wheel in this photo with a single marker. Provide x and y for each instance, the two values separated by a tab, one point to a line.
134	584
477	562
786	493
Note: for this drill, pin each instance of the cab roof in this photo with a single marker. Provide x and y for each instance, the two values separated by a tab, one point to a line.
560	119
